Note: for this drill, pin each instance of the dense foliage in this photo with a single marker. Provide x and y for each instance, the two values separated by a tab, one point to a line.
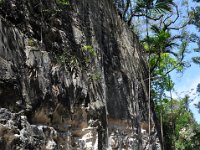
195	37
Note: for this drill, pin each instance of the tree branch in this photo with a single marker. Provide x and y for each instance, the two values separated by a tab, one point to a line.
172	22
126	8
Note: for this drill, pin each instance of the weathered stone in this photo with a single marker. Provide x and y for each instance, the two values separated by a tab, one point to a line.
74	77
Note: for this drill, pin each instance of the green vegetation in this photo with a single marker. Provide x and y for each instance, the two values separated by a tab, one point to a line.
74	62
165	41
89	49
63	2
166	49
88	53
95	76
195	37
67	59
179	127
31	42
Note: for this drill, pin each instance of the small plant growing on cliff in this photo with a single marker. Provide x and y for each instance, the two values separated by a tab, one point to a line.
89	53
61	59
89	49
31	42
63	2
95	76
67	59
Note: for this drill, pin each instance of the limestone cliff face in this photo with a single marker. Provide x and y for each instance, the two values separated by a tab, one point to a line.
72	76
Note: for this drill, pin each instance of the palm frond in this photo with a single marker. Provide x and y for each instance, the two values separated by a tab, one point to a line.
163	6
155	29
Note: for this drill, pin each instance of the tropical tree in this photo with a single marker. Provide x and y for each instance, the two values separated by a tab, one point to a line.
198	92
180	129
151	9
166	50
195	37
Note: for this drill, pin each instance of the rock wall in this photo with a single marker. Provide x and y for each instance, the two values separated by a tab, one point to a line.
72	76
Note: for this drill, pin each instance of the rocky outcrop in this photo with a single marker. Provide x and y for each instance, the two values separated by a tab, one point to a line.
72	76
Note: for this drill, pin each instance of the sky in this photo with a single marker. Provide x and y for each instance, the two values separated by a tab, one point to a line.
186	82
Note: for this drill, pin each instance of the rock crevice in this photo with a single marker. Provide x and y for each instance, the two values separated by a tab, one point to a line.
72	76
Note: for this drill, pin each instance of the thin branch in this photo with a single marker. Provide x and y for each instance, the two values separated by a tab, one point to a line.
126	8
168	17
178	28
164	75
149	17
176	37
156	64
167	25
142	15
173	53
172	22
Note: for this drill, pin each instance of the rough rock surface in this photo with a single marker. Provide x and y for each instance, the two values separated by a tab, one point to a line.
72	76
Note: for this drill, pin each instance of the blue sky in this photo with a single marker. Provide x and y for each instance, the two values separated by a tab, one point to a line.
186	82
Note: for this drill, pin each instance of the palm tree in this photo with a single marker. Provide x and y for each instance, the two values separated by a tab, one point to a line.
147	8
162	42
151	9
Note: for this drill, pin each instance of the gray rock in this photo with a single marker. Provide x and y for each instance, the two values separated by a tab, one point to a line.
73	78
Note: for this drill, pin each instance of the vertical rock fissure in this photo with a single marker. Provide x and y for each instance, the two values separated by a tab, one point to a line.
81	77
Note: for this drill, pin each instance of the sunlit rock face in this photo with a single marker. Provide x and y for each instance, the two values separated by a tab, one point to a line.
72	77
